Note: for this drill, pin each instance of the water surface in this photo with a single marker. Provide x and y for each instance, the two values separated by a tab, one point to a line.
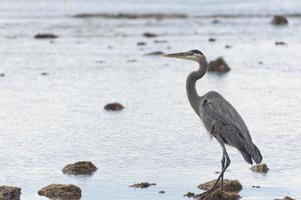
50	121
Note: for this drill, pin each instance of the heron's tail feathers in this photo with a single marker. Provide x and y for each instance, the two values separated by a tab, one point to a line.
258	157
246	156
253	152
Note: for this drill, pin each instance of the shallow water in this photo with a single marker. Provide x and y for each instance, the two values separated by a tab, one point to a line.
50	121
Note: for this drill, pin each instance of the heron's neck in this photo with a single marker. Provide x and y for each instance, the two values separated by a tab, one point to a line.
191	80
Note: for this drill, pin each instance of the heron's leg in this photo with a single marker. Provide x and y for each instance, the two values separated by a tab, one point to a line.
223	165
224	168
228	161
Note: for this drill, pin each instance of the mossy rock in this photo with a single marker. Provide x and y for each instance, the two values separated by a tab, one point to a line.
262	168
286	198
114	107
9	193
228	186
149	35
81	167
45	36
217	195
279	20
219	65
61	192
142	185
189	195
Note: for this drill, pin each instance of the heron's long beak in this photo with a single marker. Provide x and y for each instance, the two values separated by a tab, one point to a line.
182	55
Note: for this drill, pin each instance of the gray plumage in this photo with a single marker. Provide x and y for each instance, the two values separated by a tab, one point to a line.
223	121
219	117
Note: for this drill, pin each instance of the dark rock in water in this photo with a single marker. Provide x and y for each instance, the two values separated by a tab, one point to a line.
286	198
228	46
82	167
132	16
260	62
9	193
262	168
44	74
256	186
2	75
279	20
132	60
215	21
280	43
114	107
211	39
149	35
141	43
155	53
142	185
229	185
61	192
45	36
218	65
161	192
160	41
189	194
217	195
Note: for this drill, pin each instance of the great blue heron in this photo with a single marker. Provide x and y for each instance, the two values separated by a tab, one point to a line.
220	118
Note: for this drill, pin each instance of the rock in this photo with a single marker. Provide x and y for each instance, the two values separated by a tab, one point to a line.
45	36
262	168
149	35
286	198
155	53
61	192
9	193
161	192
279	20
211	39
229	185
217	195
131	60
2	75
81	167
44	74
189	194
218	65
132	16
256	186
260	62
228	46
141	43
160	41
142	185
280	43
114	107
215	21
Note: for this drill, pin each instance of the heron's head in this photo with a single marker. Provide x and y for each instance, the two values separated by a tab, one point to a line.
194	55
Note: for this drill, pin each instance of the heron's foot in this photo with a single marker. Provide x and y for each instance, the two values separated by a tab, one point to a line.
212	189
217	194
221	185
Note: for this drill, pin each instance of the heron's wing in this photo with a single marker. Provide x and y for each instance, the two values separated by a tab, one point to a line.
223	121
219	110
